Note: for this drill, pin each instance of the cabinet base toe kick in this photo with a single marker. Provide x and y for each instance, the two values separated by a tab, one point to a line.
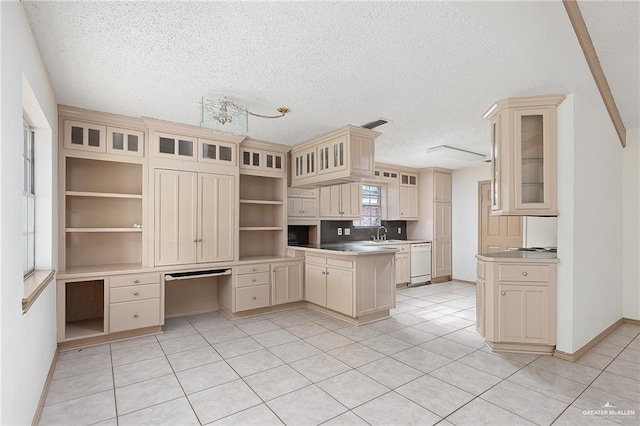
524	348
361	320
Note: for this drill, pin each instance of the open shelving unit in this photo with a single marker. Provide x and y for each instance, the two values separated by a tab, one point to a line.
262	216
84	309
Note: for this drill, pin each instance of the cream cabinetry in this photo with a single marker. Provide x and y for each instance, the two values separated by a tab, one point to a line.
190	148
402	202
383	174
403	262
302	202
345	155
252	287
442	187
194	217
330	283
516	303
341	201
134	302
84	136
287	282
441	256
524	133
125	142
257	159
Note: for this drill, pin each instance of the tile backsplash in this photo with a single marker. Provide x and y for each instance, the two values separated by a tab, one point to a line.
329	231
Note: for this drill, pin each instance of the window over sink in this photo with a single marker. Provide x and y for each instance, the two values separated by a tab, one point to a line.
371	207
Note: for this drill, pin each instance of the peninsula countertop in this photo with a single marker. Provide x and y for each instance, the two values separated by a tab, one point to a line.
345	248
518	256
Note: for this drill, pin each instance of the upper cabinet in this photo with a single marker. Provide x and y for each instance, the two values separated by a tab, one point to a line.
84	136
345	155
524	164
341	201
263	158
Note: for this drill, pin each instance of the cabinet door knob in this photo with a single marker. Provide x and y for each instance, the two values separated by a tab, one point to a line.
254	280
200	240
254	298
504	293
135	293
327	273
253	269
195	241
135	315
136	281
323	273
525	274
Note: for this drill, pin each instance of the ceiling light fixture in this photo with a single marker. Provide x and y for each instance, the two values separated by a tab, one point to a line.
457	153
223	111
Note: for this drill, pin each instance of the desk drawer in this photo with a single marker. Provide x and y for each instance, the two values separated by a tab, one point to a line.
252	279
134	292
134	280
132	315
523	273
251	269
252	297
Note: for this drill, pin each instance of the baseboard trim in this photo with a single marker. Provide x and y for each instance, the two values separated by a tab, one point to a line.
45	389
440	280
631	321
463	281
573	357
109	338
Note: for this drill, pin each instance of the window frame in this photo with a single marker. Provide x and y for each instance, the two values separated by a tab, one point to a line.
365	220
28	199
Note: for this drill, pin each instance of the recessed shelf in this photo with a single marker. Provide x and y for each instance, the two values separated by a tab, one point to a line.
103	230
84	328
264	202
102	194
260	228
532	183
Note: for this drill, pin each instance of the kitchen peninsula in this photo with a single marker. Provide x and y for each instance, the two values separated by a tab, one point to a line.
354	282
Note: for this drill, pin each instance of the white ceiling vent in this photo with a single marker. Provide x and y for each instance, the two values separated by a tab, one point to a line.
457	153
375	123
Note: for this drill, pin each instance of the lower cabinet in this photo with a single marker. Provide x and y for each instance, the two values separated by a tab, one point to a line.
403	268
329	283
516	304
134	302
340	290
315	284
252	287
287	282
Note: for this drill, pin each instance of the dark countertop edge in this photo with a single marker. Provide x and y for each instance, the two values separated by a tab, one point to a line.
354	249
515	256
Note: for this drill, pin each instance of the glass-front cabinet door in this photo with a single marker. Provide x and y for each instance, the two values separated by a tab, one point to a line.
250	159
216	152
84	136
274	161
178	147
332	156
125	142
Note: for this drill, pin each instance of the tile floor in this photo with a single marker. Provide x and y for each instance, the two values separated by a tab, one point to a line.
425	365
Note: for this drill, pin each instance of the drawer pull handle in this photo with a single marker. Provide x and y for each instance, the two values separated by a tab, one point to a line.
254	298
504	293
195	241
253	269
135	293
254	280
136	281
135	315
525	274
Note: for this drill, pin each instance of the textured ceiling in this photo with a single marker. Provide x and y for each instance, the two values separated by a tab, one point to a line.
423	65
614	27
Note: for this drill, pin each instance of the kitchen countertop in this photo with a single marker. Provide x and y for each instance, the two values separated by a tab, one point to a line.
518	256
345	248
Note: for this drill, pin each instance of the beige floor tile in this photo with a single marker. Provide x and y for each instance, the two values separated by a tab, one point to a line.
127	354
432	328
412	336
328	341
307	330
386	344
183	344
606	349
518	358
206	376
355	355
260	415
346	419
175	412
176	327
386	326
81	352
141	371
307	406
274	338
333	323
468	338
82	365
617	340
466	314
81	411
417	302
109	422
435	395
625	368
454	322
357	333
204	317
574	416
254	362
258	327
548	384
225	334
595	360
447	348
352	388
294	351
463	303
320	367
145	394
237	347
289	320
466	378
276	382
394	409
480	412
310	314
491	364
569	370
424	361
635	344
193	358
531	405
390	372
62	390
618	385
411	318
630	355
595	399
630	330
133	342
222	401
212	324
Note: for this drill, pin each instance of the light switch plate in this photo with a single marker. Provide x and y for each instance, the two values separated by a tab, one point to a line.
399	231
347	231
339	231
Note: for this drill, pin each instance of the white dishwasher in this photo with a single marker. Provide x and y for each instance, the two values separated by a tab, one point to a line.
420	263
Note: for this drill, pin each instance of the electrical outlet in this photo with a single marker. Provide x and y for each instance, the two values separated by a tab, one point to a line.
399	231
339	231
347	231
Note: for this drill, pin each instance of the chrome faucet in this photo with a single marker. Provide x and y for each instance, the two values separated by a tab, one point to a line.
384	237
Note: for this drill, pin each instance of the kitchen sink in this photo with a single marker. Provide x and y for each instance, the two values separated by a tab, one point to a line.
371	242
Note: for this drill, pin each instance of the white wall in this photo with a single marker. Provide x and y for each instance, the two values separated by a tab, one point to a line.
630	223
28	342
464	221
540	231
